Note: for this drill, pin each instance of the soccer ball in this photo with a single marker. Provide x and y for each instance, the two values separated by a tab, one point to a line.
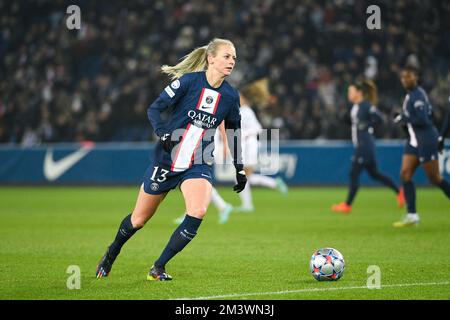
327	264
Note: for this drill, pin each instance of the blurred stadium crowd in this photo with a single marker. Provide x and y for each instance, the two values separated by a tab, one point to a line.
60	85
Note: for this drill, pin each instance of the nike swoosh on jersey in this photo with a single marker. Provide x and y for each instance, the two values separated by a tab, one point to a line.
55	169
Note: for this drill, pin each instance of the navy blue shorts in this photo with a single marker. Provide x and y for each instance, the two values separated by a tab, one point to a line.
363	156
159	179
425	152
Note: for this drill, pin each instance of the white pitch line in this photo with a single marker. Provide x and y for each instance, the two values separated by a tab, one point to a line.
233	295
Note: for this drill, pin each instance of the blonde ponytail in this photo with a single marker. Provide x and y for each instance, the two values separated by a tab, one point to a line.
371	92
197	60
257	92
194	61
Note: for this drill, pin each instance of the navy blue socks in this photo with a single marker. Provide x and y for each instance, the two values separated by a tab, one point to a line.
445	186
386	181
354	186
410	196
124	233
185	232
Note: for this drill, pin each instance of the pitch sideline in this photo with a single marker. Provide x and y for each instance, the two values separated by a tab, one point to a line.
233	295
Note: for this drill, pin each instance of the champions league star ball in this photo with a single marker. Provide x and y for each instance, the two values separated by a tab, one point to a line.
327	264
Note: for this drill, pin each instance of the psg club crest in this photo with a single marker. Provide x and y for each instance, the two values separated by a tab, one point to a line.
154	186
176	84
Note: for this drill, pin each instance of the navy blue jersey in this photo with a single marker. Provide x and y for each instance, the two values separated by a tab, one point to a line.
417	114
197	107
446	124
364	116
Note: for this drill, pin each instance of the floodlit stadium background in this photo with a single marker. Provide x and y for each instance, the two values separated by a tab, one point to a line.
60	85
95	84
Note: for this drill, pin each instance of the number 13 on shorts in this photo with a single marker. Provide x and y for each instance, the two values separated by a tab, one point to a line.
162	176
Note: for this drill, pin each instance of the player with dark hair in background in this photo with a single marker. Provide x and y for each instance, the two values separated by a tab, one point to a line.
364	115
422	145
201	100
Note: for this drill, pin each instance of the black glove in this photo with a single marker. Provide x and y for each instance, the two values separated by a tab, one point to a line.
167	142
441	144
241	179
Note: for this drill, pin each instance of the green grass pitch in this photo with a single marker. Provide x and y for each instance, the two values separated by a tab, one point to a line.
262	255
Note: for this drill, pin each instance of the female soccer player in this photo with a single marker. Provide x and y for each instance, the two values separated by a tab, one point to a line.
256	93
364	116
422	145
200	99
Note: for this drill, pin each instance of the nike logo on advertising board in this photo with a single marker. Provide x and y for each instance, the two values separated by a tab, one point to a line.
55	169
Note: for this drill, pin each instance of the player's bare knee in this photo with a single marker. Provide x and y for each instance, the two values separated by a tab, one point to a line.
405	175
435	179
197	212
138	221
